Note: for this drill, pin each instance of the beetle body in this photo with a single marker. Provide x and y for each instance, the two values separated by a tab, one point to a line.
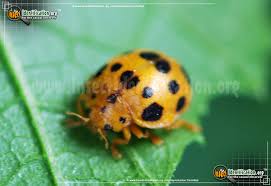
140	89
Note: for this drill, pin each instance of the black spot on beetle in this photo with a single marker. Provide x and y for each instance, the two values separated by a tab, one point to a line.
93	95
173	86
187	77
116	67
100	71
149	55
112	98
103	109
107	127
125	76
162	66
180	104
147	92
122	120
153	112
132	82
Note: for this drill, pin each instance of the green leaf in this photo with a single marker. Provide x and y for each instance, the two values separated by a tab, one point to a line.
223	46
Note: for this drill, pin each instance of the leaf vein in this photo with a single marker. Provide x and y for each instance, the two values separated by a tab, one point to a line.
135	158
13	67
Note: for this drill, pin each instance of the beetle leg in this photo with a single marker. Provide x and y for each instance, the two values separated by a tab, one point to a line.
184	124
154	138
120	141
138	132
103	136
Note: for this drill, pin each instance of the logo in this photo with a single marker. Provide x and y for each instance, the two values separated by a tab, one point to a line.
220	172
14	13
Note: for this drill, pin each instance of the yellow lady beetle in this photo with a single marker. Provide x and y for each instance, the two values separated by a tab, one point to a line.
136	90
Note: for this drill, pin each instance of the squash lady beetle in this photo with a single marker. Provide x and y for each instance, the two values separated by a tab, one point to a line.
136	90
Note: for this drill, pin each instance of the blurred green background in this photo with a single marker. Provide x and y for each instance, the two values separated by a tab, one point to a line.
233	126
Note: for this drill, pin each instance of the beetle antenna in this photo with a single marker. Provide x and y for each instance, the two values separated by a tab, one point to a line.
79	116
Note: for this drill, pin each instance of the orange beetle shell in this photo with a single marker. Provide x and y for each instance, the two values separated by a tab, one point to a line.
143	87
